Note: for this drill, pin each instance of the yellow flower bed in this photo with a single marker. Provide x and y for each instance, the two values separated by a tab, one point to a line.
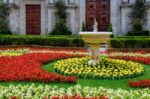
105	69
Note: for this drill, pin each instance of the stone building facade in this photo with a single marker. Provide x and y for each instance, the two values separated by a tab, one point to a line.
37	16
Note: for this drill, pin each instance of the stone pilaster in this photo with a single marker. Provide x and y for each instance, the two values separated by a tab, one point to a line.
116	16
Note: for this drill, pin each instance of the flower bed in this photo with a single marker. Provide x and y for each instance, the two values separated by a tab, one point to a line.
136	54
105	69
47	92
141	83
145	60
27	67
76	97
66	97
13	52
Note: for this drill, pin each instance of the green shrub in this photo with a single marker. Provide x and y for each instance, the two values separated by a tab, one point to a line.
83	27
110	29
130	42
143	33
138	17
62	41
60	27
4	12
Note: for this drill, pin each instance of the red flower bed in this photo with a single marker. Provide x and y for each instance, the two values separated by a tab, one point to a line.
141	83
27	67
69	97
77	97
145	50
145	60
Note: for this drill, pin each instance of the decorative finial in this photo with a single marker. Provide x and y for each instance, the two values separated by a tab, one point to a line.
95	29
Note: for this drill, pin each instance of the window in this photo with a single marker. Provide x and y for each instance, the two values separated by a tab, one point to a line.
9	1
125	1
51	1
69	20
71	2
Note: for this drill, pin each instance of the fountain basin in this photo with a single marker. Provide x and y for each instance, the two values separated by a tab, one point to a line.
93	40
95	37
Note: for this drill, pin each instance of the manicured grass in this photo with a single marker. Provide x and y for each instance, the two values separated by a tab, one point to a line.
115	84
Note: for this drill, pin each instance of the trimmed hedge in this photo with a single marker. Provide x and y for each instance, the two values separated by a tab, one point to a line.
130	42
62	41
73	41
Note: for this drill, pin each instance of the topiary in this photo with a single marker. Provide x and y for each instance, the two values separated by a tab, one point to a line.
4	12
138	14
60	27
83	27
110	29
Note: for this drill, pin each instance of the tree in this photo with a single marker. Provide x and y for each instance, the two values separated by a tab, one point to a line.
110	29
138	14
60	27
83	27
4	12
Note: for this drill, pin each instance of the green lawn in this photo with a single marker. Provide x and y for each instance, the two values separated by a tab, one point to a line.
115	84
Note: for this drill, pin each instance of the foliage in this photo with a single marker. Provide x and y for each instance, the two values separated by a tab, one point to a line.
115	84
4	12
110	29
12	52
83	27
105	69
145	60
27	67
141	56
143	33
60	27
138	13
141	83
65	41
130	42
144	50
47	92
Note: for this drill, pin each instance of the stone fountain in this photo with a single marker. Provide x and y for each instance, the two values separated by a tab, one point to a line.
93	40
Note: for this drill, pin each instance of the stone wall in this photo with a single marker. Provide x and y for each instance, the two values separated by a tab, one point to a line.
76	16
23	15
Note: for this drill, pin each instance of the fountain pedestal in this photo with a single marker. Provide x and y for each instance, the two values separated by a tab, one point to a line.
93	40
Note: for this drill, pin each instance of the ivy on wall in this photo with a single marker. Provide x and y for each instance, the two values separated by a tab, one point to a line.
4	12
60	27
138	17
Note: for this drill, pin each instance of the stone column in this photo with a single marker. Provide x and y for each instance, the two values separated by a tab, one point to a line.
116	16
148	19
125	20
82	15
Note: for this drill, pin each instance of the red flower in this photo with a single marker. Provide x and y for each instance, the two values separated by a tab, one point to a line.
14	97
27	67
141	83
145	60
55	97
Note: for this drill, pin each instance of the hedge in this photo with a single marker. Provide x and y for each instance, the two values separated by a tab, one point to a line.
73	41
62	41
130	42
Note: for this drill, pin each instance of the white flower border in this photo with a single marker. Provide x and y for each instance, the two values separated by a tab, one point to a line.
39	92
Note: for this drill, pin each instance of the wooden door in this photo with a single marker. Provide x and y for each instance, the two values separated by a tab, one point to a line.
99	9
33	19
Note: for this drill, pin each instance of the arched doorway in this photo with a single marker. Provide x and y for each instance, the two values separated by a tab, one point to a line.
99	9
